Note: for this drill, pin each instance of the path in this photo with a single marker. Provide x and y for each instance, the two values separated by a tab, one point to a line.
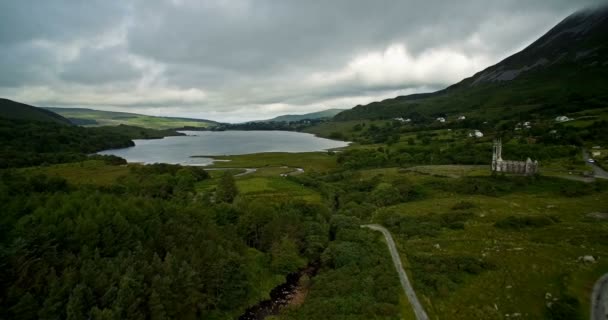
405	282
252	170
599	299
597	171
247	170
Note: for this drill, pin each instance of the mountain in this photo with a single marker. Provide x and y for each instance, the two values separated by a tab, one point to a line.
564	71
329	113
15	110
90	117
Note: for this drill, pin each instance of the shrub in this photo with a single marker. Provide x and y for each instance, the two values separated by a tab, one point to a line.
521	222
463	205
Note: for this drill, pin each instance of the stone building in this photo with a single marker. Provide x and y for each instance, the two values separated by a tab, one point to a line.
527	167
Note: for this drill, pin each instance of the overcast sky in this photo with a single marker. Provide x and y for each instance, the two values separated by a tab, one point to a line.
238	60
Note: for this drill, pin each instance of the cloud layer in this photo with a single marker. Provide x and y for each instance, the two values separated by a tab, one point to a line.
237	60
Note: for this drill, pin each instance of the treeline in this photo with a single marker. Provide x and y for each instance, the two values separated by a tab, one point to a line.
30	143
455	153
269	125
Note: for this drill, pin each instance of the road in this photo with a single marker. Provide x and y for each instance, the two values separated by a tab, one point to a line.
597	171
252	170
247	170
405	282
599	299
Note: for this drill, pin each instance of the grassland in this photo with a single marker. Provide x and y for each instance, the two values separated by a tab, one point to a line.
345	128
523	265
309	161
517	267
89	117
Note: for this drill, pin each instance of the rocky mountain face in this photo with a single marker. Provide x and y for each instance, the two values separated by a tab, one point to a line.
563	71
580	39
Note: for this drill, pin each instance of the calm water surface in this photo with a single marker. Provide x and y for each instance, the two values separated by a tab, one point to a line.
179	150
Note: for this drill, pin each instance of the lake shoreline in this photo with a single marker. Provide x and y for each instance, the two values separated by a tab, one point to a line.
186	150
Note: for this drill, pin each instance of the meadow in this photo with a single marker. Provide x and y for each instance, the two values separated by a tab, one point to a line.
470	259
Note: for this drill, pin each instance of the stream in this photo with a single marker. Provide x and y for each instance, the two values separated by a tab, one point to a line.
281	295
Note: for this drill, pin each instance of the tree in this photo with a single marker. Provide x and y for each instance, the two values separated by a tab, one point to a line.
285	257
226	190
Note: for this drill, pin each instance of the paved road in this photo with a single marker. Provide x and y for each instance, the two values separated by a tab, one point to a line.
247	170
252	170
405	282
599	299
597	171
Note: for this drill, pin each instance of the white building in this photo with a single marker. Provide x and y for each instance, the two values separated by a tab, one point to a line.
462	118
476	134
403	120
562	119
441	119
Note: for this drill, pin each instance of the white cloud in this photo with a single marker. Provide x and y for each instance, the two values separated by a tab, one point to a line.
396	65
237	60
108	96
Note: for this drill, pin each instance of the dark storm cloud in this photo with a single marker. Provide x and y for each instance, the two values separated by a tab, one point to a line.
26	20
235	59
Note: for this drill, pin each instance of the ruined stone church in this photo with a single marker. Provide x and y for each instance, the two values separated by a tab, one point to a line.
527	167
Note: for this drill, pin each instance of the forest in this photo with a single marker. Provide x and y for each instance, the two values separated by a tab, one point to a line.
29	143
131	241
150	245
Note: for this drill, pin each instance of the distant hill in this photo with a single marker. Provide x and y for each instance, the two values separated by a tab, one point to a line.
90	117
565	71
329	113
14	110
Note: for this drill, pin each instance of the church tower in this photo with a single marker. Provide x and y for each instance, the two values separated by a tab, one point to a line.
497	156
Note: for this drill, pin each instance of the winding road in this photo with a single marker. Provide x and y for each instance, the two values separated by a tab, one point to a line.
252	170
597	171
599	299
405	282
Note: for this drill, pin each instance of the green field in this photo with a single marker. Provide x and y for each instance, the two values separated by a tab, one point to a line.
309	161
89	117
522	264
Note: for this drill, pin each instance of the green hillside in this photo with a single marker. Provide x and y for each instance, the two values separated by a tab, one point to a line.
89	117
14	110
562	73
313	115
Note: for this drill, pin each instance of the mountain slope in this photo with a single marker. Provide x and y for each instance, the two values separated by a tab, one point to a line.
564	71
14	110
313	115
91	117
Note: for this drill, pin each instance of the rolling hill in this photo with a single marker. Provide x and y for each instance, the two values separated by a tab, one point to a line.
329	113
90	117
563	72
15	110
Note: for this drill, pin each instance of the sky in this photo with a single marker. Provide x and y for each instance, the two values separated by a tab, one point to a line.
242	60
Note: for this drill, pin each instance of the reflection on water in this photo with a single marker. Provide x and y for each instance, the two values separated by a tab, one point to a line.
180	149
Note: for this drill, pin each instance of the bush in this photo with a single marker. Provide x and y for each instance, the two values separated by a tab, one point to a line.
454	220
336	135
521	222
566	308
439	275
463	205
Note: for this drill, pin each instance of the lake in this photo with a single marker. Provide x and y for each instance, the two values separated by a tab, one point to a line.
180	149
